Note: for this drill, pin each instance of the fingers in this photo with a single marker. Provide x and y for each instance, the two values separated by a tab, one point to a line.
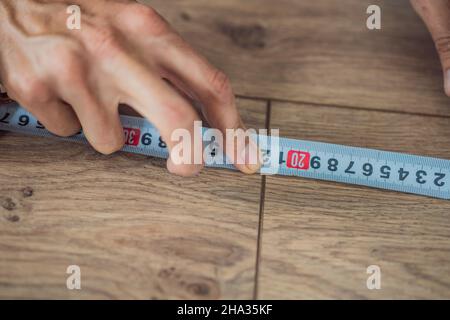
166	109
57	117
194	75
188	71
101	124
94	70
35	96
436	15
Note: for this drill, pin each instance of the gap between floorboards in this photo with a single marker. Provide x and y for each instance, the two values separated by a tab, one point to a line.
341	106
262	199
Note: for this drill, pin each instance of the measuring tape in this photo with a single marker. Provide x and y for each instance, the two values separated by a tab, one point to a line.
360	166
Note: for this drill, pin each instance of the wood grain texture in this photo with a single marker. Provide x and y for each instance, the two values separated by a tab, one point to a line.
319	237
317	51
138	232
135	230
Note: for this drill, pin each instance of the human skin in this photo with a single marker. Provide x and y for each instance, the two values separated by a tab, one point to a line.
436	15
126	53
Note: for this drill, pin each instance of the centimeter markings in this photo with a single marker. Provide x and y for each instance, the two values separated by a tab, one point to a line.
309	159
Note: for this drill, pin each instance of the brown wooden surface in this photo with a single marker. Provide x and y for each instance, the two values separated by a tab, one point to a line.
319	237
138	232
135	230
317	51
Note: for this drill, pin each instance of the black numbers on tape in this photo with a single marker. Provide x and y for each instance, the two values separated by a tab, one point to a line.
332	164
4	119
420	177
402	174
385	172
161	143
281	158
146	139
315	162
40	125
349	168
265	156
24	120
368	170
438	181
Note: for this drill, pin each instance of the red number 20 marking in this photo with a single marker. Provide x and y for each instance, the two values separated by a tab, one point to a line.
298	160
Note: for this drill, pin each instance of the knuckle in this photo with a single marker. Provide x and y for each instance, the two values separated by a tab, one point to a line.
146	18
66	63
181	116
103	42
221	86
31	89
443	46
144	12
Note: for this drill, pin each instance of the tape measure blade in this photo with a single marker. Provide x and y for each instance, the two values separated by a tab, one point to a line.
308	159
367	167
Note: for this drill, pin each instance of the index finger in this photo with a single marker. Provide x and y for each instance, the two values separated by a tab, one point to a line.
193	73
165	108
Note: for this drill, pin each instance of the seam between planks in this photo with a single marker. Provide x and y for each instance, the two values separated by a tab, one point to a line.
262	200
318	104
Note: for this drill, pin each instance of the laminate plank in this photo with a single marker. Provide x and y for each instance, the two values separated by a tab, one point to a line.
320	237
317	51
134	230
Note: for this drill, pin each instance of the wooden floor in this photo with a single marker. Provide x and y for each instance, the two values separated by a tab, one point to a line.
309	68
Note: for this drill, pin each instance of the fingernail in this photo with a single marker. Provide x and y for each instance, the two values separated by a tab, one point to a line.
184	170
250	156
447	82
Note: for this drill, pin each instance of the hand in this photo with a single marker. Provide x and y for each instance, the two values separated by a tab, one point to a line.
124	53
436	14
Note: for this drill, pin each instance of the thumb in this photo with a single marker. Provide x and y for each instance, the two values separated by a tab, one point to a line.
436	15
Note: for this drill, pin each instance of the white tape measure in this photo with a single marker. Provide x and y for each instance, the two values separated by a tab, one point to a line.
367	167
